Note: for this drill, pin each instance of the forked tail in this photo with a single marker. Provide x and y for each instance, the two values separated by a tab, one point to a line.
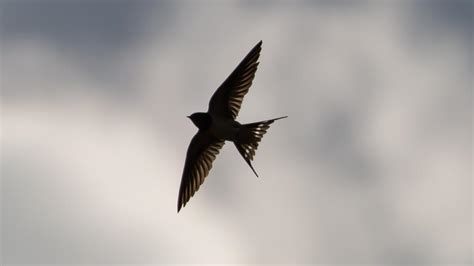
249	136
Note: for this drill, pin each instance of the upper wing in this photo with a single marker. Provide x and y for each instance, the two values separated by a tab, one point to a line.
228	97
202	151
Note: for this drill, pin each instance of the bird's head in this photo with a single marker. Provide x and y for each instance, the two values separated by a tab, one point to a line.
201	120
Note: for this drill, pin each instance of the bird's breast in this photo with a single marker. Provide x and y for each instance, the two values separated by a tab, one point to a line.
222	128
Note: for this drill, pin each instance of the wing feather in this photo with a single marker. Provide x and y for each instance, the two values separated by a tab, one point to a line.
202	151
227	99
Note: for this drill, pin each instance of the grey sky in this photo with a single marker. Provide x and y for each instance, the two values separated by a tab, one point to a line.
373	164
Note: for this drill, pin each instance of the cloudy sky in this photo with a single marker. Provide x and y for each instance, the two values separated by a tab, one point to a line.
373	164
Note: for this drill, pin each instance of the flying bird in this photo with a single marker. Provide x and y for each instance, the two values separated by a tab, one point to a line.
218	125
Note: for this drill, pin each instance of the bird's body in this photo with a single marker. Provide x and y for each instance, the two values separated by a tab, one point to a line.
224	128
218	125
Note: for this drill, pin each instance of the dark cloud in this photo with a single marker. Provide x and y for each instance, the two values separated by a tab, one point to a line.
81	26
95	35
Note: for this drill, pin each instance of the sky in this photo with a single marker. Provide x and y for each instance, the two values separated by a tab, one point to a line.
373	164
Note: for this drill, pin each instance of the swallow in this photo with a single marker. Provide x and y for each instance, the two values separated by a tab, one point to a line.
218	125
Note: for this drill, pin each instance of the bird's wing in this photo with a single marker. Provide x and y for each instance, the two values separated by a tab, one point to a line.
202	151
227	99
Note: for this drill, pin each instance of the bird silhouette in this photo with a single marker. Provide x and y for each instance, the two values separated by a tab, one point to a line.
218	125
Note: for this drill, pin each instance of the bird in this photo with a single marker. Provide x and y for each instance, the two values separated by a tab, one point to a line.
218	125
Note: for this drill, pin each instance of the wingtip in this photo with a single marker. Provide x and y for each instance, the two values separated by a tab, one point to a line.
258	45
251	167
180	204
254	171
278	118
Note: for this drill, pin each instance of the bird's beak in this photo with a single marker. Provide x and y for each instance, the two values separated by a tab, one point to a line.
188	116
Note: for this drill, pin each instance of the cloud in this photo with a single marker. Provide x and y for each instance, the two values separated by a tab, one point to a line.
373	161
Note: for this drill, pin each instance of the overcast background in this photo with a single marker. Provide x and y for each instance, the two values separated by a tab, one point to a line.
373	164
